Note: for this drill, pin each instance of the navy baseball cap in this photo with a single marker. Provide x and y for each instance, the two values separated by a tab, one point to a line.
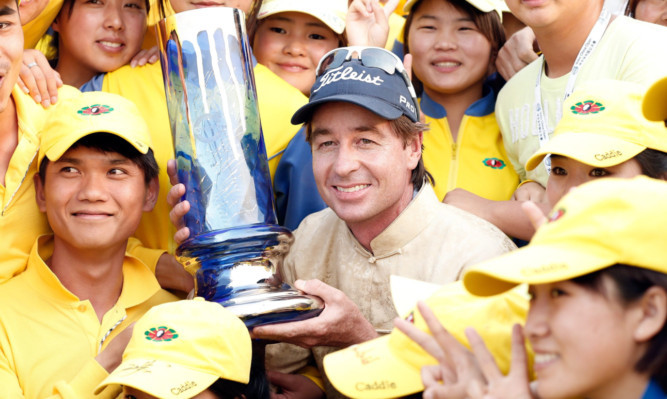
387	95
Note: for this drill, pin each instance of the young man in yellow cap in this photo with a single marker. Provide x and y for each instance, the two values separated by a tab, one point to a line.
97	175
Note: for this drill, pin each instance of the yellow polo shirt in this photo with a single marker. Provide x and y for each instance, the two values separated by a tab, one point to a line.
49	337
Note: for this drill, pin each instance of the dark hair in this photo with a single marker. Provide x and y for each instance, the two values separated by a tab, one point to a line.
107	142
632	282
256	388
653	163
488	23
631	8
405	129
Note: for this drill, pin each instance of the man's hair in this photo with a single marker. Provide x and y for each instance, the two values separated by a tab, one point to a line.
256	388
405	129
488	23
106	143
632	282
653	163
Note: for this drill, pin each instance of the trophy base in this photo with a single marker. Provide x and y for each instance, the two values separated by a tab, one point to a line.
274	306
239	268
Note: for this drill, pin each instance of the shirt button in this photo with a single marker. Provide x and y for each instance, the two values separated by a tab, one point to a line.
82	308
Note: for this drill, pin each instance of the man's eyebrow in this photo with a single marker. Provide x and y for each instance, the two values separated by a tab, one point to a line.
6	10
318	132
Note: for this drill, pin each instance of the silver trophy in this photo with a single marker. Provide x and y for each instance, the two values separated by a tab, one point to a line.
235	244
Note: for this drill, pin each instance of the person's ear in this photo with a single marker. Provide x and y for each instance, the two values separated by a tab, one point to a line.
152	190
39	193
653	305
415	148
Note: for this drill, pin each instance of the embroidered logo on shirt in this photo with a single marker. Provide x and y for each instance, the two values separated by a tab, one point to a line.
95	109
587	107
556	215
160	334
494	163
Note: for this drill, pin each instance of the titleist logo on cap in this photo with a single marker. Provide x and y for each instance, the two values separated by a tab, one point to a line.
347	73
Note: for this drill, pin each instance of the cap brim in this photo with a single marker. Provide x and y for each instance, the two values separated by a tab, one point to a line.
56	151
381	374
589	148
534	264
654	104
375	105
158	378
406	292
309	7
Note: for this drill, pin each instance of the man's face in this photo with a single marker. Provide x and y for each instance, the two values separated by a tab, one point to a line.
94	200
11	49
362	168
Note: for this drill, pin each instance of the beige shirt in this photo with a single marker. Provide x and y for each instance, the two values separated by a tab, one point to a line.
429	241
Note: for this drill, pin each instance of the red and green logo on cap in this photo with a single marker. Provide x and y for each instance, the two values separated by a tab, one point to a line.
494	163
95	109
587	107
160	334
556	215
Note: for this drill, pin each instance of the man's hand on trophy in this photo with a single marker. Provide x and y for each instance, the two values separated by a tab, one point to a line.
294	386
340	324
178	207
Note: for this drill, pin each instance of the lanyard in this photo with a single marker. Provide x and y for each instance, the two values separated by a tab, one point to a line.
589	45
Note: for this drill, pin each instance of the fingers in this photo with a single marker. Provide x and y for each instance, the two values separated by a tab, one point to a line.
144	57
37	78
484	358
318	288
519	365
407	64
426	341
534	213
172	172
389	7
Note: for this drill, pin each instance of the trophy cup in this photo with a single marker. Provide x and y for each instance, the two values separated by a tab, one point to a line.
235	244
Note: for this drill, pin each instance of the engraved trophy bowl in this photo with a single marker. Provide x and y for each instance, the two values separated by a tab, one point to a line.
235	247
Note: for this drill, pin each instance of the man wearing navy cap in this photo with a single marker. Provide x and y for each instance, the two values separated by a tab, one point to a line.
383	218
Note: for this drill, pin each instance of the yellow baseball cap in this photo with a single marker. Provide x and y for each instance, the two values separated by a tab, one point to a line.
655	101
390	366
498	6
331	12
92	112
179	349
603	126
600	224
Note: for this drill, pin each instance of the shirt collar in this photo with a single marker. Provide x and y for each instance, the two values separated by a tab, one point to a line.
139	283
408	225
482	107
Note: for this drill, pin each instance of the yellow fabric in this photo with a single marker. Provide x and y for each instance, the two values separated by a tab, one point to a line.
20	219
277	101
623	53
35	29
313	374
461	164
396	23
49	338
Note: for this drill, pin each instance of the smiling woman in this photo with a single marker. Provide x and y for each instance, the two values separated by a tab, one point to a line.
96	36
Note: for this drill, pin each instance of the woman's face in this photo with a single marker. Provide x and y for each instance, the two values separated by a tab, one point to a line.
450	54
567	173
583	340
185	5
291	45
98	36
653	11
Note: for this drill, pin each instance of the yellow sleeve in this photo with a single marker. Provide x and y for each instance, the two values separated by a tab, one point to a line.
313	374
35	29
